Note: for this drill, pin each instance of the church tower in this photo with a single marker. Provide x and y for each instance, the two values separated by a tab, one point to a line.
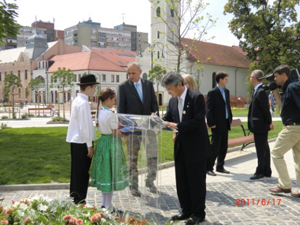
164	21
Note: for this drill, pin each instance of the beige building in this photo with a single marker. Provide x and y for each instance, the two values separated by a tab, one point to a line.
23	61
122	37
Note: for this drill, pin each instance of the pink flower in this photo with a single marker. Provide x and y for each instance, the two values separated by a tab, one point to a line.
8	211
94	219
28	220
67	218
79	222
4	222
72	220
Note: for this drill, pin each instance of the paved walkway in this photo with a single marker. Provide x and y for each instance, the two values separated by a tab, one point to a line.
231	199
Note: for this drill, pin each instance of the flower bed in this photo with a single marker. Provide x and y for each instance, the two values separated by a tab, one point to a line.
60	210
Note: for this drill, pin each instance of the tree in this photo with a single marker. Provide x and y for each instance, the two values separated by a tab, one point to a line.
185	20
35	84
155	76
64	78
8	26
269	33
11	82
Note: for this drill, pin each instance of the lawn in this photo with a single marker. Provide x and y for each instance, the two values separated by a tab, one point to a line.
41	155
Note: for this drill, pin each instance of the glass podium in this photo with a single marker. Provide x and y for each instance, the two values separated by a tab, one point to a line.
138	144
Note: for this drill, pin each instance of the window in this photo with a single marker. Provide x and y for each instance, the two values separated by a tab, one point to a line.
19	73
103	78
19	90
112	78
214	80
172	12
5	73
0	77
158	54
158	11
75	80
79	77
117	78
158	34
145	76
25	74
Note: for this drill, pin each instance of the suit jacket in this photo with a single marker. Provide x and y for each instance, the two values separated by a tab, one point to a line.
259	116
129	102
216	113
192	136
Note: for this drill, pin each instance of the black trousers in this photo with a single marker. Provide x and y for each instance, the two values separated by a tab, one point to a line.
80	166
263	154
219	146
191	184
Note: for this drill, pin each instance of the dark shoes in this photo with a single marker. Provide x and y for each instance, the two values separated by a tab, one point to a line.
194	220
223	171
256	176
135	192
211	173
279	190
151	186
181	216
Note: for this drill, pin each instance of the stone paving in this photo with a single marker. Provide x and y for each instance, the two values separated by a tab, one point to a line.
231	199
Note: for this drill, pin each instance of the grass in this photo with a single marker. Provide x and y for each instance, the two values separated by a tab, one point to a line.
244	112
42	155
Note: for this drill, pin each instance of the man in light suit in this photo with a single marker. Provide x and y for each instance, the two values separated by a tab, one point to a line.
259	123
137	96
186	113
219	117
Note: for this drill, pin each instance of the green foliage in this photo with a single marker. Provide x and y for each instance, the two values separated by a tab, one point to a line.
59	119
156	73
36	84
11	81
8	25
268	32
63	77
4	117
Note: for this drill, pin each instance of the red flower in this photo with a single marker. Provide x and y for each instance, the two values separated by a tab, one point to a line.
4	222
28	220
67	218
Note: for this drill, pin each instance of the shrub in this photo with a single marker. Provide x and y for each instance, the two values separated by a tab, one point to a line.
4	117
59	119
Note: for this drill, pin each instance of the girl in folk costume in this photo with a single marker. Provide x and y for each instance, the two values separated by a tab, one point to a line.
109	170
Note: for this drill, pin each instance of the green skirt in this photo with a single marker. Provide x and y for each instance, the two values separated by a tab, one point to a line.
109	169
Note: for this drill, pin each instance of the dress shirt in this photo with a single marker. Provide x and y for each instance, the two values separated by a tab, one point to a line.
224	97
81	128
107	121
256	87
182	96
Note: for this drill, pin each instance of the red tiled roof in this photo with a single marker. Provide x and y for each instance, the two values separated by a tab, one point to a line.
84	61
119	57
216	54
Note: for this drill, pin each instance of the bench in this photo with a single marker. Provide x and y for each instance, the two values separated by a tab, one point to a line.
245	140
51	111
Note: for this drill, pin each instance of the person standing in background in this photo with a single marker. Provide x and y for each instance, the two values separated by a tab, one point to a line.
219	117
259	123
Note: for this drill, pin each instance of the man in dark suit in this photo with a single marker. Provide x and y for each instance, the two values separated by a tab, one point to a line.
219	118
186	113
137	96
260	122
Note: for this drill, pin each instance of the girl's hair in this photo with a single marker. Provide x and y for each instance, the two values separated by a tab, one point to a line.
104	95
191	81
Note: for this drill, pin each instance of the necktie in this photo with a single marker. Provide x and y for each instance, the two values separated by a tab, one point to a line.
137	86
180	108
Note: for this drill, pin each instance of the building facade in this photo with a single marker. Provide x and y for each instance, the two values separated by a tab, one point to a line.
123	37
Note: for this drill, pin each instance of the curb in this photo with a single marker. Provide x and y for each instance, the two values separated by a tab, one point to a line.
57	186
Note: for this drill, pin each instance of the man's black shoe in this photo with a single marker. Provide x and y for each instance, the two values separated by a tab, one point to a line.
181	216
135	192
267	175
195	220
211	173
256	176
223	171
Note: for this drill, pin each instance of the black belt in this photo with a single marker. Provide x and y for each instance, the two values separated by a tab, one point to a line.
291	124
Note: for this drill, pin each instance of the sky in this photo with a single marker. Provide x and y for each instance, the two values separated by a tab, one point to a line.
109	13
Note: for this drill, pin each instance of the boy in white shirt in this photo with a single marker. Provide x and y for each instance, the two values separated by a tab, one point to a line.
81	134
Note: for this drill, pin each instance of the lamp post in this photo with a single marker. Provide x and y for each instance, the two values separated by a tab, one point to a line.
151	47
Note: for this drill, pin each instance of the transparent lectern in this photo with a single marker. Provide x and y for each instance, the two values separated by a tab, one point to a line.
139	139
